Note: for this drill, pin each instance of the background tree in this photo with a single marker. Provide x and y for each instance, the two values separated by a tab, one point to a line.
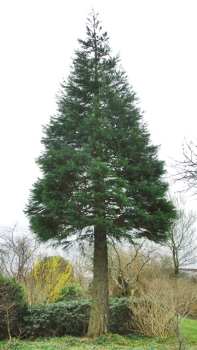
82	262
101	175
186	169
181	243
126	265
16	254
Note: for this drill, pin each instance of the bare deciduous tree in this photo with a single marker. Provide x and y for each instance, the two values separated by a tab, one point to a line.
182	244
16	253
125	266
186	169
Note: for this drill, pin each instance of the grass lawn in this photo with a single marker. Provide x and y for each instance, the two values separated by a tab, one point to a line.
112	341
189	330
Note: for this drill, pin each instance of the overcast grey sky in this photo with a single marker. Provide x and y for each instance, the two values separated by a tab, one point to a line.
156	40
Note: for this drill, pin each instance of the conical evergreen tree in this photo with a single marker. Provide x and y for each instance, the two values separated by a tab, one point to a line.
101	175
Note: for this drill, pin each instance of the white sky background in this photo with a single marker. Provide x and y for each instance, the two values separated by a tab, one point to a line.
157	44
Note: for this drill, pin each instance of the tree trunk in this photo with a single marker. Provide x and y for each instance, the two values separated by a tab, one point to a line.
99	314
175	261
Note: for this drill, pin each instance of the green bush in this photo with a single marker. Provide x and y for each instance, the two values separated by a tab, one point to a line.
12	307
58	319
72	291
72	318
121	316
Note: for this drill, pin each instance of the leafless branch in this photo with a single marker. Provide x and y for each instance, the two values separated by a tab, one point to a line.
186	169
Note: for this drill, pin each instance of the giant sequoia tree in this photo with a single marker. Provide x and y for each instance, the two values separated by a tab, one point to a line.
101	176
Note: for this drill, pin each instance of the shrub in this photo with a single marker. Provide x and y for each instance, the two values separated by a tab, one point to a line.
12	307
162	305
72	291
151	319
121	315
47	279
72	318
58	319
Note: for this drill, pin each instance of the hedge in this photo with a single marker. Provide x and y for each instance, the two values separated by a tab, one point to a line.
71	318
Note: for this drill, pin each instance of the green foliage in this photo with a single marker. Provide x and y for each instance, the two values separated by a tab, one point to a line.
72	291
99	166
58	319
110	342
72	317
12	307
121	315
